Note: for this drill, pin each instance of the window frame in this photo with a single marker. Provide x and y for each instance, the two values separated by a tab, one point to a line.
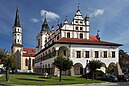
113	54
87	54
78	53
96	54
105	54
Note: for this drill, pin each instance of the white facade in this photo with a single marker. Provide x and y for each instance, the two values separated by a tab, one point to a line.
74	41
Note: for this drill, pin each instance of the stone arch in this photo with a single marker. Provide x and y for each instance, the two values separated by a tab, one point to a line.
111	68
78	69
112	64
49	53
53	52
46	55
63	51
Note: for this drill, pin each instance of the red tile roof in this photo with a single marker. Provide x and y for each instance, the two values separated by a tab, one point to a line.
92	41
29	52
93	38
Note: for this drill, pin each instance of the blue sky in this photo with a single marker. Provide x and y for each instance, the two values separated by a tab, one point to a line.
111	17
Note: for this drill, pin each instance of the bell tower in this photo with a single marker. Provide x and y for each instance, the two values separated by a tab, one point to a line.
42	36
17	35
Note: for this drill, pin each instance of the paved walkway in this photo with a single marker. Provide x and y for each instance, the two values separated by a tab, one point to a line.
1	75
94	84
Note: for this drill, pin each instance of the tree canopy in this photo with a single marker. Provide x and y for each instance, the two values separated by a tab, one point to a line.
8	60
94	65
62	63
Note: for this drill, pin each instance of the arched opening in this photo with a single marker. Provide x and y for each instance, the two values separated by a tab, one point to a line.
78	69
49	54
26	62
29	67
63	51
53	52
46	56
111	68
48	68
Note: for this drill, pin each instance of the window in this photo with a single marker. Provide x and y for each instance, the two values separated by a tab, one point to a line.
81	28
29	68
68	35
76	28
96	54
113	54
78	54
81	35
76	21
80	22
18	40
87	54
26	62
105	54
33	62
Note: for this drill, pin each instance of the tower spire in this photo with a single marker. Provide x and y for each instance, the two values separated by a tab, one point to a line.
45	26
78	6
17	19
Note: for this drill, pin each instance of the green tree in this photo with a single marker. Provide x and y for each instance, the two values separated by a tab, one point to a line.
62	63
12	60
123	59
7	60
93	66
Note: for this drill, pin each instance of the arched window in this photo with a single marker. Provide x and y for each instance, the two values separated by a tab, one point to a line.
53	52
33	61
81	35
49	53
29	68
68	35
26	62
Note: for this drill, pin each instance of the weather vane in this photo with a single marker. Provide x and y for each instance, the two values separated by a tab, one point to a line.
78	5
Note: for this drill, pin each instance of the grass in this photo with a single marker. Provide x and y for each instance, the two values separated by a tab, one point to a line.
31	79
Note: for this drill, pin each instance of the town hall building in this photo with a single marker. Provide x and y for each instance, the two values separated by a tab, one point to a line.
73	40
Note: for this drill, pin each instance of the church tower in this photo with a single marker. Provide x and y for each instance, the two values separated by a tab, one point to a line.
17	35
42	36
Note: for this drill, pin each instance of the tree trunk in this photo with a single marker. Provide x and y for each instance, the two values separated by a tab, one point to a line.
7	74
93	76
60	75
12	70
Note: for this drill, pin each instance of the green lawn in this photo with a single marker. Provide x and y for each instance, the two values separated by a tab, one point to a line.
30	79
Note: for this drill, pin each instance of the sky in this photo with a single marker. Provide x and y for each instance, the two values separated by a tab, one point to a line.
110	17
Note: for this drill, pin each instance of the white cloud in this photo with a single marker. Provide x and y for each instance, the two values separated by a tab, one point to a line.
97	12
35	20
49	15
